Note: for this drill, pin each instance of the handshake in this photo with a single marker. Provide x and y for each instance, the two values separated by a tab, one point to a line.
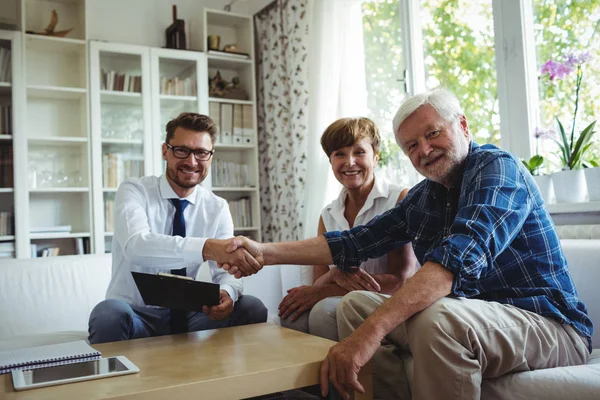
239	255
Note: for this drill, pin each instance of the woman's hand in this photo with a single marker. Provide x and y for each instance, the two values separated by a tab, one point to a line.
356	280
299	300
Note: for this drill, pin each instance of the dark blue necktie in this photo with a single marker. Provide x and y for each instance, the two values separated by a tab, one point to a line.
179	317
178	220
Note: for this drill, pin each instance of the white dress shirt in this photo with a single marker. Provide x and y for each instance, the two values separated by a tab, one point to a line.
142	240
382	197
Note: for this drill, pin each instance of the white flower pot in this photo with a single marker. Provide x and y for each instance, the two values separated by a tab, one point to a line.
544	183
569	186
592	178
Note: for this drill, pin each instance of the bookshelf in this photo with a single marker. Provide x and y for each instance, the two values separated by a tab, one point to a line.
122	145
10	54
128	122
234	172
86	114
179	85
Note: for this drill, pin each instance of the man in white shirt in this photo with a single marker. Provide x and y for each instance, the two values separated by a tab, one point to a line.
168	224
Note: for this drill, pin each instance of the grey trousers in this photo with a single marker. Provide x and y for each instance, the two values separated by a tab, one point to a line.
319	321
457	342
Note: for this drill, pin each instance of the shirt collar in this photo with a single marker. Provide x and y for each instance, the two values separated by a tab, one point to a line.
380	189
167	192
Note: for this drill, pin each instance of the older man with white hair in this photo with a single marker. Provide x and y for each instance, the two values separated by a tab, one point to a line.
493	295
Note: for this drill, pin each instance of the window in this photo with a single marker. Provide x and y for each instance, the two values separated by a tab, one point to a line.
458	38
561	27
386	84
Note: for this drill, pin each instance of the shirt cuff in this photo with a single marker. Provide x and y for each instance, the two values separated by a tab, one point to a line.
232	293
192	250
336	247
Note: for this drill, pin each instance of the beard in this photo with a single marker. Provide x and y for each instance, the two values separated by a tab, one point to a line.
172	174
446	168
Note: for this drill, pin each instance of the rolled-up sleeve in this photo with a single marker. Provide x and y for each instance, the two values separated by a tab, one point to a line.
491	213
379	236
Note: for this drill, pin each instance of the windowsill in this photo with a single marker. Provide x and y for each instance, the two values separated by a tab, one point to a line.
574	208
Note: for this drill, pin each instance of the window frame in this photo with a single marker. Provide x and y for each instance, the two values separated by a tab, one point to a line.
516	74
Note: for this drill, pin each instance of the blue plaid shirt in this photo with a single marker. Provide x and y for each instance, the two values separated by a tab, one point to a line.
492	232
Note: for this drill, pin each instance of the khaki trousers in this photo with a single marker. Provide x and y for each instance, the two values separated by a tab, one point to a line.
457	342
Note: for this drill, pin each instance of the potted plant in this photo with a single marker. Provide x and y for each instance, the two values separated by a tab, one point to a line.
592	177
544	182
569	184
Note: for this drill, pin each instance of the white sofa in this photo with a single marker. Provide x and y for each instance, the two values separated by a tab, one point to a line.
48	300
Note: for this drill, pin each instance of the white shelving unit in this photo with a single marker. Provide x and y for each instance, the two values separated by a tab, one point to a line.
56	129
179	84
72	128
122	144
11	136
129	126
236	156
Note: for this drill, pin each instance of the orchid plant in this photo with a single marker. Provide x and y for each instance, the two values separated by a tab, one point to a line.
572	148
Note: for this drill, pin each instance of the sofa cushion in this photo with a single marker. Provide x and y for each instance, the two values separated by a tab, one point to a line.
581	382
51	295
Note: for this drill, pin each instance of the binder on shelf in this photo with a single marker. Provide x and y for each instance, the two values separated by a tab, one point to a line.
47	356
248	124
238	134
214	111
226	123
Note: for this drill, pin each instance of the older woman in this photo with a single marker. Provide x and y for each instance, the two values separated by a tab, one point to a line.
352	146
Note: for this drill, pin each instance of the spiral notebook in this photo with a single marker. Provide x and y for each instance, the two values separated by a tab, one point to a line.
47	356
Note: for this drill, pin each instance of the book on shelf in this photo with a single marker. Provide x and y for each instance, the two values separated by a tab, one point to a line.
38	250
240	56
51	229
7	223
5	65
47	356
178	87
79	247
6	123
241	212
6	166
117	167
121	82
109	215
229	174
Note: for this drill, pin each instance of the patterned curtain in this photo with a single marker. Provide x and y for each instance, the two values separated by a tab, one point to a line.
282	81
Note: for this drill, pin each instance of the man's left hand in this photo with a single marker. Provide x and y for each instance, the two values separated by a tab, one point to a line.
221	311
344	361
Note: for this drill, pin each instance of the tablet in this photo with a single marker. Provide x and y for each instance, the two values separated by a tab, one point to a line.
83	371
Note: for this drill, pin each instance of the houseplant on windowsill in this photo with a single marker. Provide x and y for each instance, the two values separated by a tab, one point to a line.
544	182
569	184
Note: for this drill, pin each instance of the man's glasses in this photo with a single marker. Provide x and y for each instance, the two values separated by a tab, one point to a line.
183	153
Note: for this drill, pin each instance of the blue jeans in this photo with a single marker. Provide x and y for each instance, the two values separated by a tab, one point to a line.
113	320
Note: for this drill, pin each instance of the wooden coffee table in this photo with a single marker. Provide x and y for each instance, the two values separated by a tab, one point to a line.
229	363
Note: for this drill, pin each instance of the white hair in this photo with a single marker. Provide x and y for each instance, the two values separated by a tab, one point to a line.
443	101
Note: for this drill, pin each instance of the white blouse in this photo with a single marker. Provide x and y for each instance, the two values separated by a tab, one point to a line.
383	196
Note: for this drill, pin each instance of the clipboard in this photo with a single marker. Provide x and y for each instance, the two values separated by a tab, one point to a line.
176	293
